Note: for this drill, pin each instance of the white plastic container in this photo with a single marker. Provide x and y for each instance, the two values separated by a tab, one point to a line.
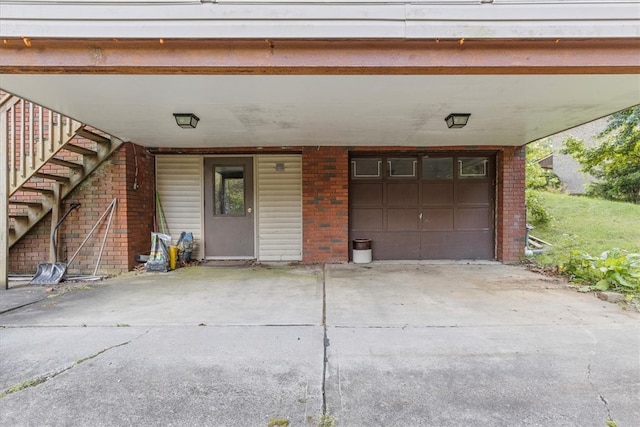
361	251
361	256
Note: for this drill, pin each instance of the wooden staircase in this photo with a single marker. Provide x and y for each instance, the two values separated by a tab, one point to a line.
49	155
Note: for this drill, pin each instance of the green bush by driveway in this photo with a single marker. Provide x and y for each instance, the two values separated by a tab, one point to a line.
595	241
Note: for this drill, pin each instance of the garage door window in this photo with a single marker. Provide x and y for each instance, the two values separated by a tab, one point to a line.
437	168
366	168
402	167
473	167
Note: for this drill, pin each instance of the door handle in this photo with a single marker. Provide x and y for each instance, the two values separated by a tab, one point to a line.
249	210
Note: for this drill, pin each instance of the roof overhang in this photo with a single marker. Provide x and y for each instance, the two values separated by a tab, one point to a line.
355	73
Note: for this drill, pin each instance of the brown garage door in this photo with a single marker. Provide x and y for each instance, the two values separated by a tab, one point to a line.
424	206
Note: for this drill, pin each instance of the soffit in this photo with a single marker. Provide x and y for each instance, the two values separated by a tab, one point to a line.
351	110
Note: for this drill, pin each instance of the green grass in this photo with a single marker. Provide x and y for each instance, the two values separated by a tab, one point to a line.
588	225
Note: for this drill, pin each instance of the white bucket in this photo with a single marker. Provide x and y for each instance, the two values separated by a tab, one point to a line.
361	256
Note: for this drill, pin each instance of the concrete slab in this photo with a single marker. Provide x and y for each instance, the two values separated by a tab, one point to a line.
258	295
483	376
427	294
411	344
183	376
197	346
21	295
38	353
483	345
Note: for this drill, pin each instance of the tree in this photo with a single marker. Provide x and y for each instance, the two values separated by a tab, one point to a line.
615	161
538	178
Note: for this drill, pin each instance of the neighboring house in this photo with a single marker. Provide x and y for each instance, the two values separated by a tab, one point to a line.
566	167
318	122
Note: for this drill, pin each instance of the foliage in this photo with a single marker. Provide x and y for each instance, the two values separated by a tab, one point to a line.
581	226
327	420
538	178
536	211
615	162
590	225
614	270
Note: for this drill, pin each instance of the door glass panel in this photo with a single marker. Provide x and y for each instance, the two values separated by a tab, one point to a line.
473	167
404	167
229	190
437	168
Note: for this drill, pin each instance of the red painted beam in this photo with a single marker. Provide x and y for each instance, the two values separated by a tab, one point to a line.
598	56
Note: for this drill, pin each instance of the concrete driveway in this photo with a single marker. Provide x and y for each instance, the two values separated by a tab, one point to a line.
382	344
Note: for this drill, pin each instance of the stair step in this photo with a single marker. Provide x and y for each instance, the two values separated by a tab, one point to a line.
19	217
37	190
65	163
25	203
58	178
93	136
79	150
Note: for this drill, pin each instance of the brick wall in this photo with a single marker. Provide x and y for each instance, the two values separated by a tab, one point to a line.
325	204
31	250
511	211
130	228
325	201
140	201
325	210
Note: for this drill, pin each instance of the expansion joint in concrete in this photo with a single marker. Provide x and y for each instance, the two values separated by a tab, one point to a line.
325	343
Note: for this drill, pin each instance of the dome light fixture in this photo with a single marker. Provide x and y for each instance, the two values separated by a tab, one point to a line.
186	120
457	120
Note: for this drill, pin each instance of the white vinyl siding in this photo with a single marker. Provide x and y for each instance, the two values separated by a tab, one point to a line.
319	19
179	184
279	198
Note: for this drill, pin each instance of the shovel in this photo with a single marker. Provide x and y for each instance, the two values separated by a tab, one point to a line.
52	273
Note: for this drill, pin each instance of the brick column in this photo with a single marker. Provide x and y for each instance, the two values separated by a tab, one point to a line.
325	205
140	199
511	210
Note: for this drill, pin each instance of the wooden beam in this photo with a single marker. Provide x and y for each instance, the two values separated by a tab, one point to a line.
309	57
55	217
4	197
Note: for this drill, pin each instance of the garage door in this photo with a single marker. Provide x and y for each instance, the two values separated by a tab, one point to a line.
424	206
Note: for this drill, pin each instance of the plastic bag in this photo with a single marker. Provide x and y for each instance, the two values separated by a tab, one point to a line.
159	255
185	246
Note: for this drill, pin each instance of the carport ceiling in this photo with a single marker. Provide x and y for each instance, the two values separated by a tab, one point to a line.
352	110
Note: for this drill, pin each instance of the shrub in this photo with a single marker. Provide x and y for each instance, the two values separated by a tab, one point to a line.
536	212
614	270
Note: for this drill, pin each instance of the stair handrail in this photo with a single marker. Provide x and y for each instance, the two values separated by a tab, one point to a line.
34	135
6	98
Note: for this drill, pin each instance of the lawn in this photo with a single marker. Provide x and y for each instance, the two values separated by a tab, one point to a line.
588	225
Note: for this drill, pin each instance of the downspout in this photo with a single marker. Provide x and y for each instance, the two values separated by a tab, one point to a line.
527	250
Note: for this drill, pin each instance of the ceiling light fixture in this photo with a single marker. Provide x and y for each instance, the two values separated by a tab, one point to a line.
186	120
457	120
